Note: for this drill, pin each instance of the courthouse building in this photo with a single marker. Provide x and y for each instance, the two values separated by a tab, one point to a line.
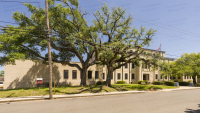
25	73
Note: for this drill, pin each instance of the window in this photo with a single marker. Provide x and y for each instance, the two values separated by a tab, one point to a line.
160	77
126	75
118	75
154	54
103	75
131	50
179	77
185	77
171	77
126	66
103	65
65	74
174	77
133	76
165	77
132	65
156	76
96	74
89	74
74	74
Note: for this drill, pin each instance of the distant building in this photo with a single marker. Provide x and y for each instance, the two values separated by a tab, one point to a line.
25	73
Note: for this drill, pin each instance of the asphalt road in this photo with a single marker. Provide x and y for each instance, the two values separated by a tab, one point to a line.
184	101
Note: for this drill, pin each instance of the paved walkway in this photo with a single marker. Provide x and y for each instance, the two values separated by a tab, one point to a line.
31	98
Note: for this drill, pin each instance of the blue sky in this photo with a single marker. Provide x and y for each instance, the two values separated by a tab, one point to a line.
177	21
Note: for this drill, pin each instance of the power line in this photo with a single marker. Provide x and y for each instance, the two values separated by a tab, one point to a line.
89	42
8	22
156	25
20	2
152	20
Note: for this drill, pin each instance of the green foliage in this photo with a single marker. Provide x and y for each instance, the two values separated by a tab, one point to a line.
158	82
178	81
101	83
184	83
121	82
119	37
169	83
139	82
1	73
197	84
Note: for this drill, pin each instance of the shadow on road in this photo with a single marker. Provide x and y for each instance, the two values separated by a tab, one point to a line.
193	111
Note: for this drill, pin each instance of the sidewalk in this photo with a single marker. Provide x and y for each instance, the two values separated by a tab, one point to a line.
31	98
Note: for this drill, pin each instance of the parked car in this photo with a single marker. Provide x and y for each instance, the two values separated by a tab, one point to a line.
1	84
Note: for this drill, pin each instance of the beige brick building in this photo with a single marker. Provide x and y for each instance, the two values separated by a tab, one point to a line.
25	73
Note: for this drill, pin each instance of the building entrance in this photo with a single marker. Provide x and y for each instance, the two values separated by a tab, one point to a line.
146	77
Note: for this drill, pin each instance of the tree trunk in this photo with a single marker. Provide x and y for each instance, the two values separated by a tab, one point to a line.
194	80
109	76
83	76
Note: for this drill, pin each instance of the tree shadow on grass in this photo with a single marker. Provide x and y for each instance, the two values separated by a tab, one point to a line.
119	88
90	89
192	110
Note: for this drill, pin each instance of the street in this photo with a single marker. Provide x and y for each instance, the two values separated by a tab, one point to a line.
184	101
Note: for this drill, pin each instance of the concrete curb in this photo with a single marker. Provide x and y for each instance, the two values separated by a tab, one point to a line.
46	97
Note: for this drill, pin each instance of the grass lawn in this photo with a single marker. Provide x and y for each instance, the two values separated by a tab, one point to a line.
78	89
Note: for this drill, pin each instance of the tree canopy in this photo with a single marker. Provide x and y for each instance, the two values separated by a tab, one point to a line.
109	39
186	65
119	38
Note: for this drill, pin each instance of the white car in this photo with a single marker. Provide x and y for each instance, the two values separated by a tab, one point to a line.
1	84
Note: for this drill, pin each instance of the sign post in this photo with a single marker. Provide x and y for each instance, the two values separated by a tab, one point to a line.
54	85
39	81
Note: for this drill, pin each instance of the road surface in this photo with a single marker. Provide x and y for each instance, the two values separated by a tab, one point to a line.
184	101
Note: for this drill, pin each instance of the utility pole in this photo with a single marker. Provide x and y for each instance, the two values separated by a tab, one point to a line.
49	51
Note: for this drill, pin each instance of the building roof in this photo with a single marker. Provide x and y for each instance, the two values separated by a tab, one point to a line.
152	50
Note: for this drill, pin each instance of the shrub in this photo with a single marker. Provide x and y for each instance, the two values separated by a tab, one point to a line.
147	82
104	82
189	81
121	82
139	82
169	83
99	83
178	81
184	83
157	82
197	84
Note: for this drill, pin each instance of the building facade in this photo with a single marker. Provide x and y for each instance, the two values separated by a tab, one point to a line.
25	73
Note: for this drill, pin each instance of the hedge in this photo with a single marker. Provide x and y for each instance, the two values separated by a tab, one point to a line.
121	82
158	82
100	82
139	82
184	83
169	83
197	84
